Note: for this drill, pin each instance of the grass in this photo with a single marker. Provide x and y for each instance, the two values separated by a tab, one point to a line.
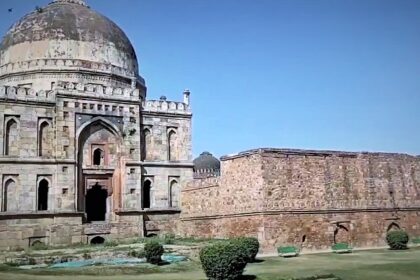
360	265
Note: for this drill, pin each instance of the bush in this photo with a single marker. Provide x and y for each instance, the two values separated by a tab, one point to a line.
153	251
249	245
223	261
397	239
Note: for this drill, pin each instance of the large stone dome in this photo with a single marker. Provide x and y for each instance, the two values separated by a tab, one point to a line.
67	35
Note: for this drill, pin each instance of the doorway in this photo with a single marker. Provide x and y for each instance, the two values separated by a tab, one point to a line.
96	203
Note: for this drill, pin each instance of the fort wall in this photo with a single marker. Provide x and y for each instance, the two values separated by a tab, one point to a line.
310	199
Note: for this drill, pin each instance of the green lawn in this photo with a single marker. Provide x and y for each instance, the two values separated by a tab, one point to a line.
370	265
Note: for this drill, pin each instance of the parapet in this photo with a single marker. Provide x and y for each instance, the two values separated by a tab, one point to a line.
289	152
26	94
166	107
99	91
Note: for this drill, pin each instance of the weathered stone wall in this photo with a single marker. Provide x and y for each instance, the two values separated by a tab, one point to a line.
21	232
306	198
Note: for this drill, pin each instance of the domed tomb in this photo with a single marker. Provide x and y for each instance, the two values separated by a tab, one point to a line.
67	36
206	165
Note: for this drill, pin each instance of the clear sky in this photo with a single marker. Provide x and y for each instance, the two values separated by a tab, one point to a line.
325	74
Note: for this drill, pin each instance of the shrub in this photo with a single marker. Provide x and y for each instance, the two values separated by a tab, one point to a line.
397	239
153	251
223	261
249	245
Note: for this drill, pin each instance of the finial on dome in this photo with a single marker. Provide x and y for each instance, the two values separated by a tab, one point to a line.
80	2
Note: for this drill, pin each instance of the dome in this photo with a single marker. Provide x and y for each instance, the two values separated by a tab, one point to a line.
68	35
206	165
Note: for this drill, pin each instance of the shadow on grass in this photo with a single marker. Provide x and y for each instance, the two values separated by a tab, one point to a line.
257	261
248	277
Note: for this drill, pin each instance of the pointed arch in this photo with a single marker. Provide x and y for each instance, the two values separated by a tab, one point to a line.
42	197
44	138
147	144
86	130
99	121
393	226
172	145
9	195
174	192
11	137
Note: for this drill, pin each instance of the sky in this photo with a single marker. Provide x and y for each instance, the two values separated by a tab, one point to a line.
305	74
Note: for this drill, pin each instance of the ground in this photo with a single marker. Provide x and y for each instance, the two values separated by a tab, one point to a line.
372	265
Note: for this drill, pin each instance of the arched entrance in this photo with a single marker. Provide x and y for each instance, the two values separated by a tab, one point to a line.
96	204
99	168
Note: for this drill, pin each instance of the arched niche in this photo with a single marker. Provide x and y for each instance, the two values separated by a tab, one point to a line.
147	144
172	145
11	137
10	201
45	138
174	194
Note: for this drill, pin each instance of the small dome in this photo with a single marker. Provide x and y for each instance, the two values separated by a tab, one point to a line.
206	165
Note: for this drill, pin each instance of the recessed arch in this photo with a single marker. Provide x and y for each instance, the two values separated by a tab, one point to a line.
9	197
147	144
96	125
44	138
99	121
174	192
172	145
11	137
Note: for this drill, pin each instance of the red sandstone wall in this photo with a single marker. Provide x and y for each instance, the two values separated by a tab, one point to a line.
302	182
306	199
238	190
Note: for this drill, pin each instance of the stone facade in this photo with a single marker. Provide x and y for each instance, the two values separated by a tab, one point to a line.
82	151
310	199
